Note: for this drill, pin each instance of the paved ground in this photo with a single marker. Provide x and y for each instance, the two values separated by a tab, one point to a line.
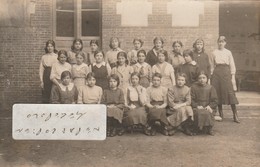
234	145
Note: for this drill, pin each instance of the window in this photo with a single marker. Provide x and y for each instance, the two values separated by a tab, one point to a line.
77	19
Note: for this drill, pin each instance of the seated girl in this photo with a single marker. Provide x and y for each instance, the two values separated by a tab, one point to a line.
156	104
66	92
179	101
165	69
114	99
136	99
143	68
90	93
204	101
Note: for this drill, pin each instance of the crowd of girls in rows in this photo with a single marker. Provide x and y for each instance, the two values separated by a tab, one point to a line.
151	91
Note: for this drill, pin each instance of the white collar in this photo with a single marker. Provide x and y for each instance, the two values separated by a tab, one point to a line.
100	64
63	87
141	65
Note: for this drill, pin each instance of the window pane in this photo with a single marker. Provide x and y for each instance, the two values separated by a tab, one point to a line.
90	23
65	24
65	5
90	4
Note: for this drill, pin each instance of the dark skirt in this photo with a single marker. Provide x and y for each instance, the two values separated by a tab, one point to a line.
202	118
157	114
116	113
136	116
221	80
46	91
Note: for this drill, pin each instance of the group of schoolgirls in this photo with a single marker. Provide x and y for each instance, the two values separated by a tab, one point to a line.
154	91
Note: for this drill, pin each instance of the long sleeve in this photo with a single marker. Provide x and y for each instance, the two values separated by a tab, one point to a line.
121	102
100	95
108	69
188	98
213	98
232	64
104	97
194	104
53	72
76	93
208	66
142	96
41	70
171	98
55	95
80	95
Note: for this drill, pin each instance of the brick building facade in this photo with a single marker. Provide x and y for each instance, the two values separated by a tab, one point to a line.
22	45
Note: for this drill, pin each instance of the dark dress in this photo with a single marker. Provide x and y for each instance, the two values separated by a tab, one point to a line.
152	57
101	75
203	96
191	71
61	95
115	97
203	61
46	92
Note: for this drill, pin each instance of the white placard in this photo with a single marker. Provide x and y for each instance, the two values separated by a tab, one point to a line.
134	12
59	122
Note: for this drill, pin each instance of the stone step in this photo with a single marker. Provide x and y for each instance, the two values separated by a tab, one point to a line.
244	106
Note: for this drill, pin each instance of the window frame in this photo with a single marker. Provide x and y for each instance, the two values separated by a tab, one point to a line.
77	22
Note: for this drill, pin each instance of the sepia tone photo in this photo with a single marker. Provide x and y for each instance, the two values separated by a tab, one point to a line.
143	83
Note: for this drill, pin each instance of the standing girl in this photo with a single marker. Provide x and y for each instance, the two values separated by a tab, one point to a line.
204	102
114	99
90	93
156	104
101	69
123	70
94	48
111	55
46	63
176	58
76	47
179	101
152	55
165	69
190	68
223	78
136	99
143	68
59	67
132	55
66	92
79	70
201	57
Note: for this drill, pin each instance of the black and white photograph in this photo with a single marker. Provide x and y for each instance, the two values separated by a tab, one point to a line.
133	83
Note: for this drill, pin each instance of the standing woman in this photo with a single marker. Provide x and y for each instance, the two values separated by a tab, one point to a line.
176	58
165	69
79	70
124	71
152	55
76	47
59	67
143	68
223	78
46	63
111	55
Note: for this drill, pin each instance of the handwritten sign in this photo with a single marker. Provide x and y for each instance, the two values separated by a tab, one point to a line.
59	122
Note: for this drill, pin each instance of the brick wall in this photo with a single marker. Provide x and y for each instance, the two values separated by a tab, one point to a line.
20	51
22	47
160	24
